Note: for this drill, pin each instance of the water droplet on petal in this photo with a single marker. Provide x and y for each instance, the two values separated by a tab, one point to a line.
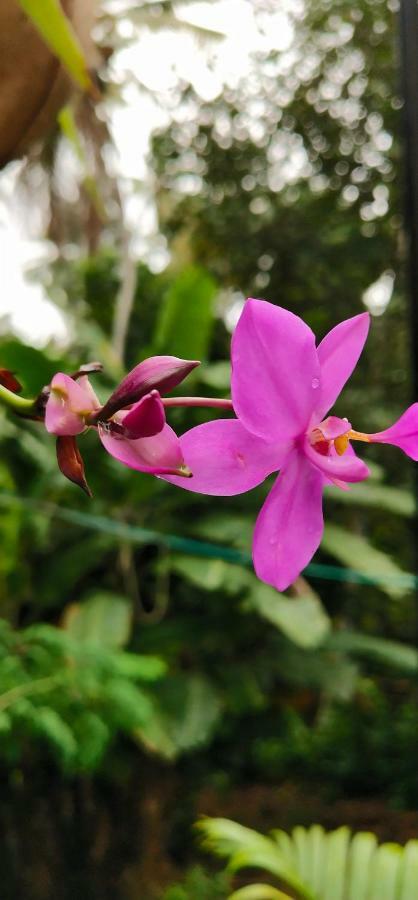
315	383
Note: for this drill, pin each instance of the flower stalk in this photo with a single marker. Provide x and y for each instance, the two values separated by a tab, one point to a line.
210	402
20	405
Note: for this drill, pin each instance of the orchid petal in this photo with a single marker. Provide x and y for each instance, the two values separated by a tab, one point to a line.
158	372
343	468
226	459
275	371
338	355
89	392
290	525
146	418
68	404
157	455
403	434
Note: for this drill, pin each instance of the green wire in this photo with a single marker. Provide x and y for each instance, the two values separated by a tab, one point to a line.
143	536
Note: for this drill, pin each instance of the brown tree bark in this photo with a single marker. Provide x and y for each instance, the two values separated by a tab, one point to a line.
33	84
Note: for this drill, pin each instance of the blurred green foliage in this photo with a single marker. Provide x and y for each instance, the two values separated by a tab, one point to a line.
199	883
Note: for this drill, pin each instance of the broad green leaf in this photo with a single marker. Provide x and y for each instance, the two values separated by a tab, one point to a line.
210	574
33	367
101	619
302	619
56	30
395	500
185	325
400	656
216	375
356	552
228	529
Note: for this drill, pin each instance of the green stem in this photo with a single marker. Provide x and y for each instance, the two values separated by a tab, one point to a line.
18	404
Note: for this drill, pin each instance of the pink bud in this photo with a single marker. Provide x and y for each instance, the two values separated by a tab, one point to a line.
161	373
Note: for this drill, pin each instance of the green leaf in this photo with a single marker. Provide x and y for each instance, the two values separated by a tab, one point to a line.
56	30
185	714
216	375
409	871
54	729
334	871
355	551
141	668
362	850
228	529
320	866
185	325
101	619
385	872
259	892
392	653
247	848
33	367
395	500
302	619
210	574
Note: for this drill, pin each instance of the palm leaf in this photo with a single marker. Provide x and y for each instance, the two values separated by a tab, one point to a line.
315	864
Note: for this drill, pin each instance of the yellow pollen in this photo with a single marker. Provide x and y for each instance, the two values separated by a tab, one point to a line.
341	443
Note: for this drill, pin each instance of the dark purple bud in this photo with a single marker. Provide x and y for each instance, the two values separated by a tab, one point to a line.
8	380
146	418
71	463
161	373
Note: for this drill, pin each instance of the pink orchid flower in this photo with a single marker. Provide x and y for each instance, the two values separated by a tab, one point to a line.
131	425
283	387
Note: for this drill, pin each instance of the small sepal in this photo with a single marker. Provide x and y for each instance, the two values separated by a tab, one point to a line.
8	380
71	463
